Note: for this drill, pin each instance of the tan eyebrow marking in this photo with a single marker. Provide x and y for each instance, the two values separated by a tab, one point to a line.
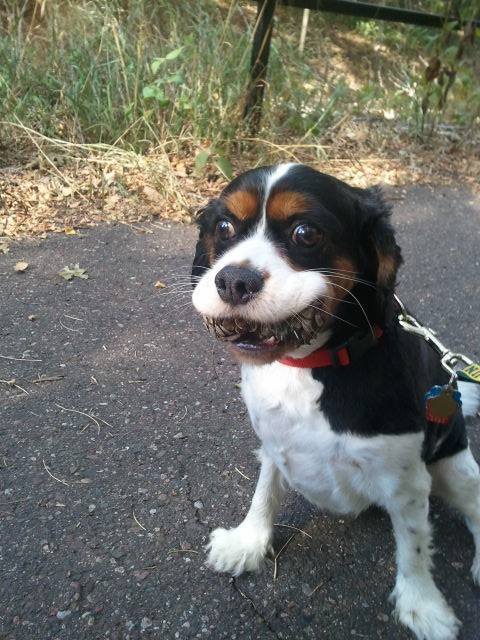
284	204
209	245
243	204
340	284
345	276
387	268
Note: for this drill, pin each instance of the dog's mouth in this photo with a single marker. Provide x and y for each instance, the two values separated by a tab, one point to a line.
297	330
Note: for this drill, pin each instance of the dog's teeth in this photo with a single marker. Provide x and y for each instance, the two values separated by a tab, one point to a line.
297	330
319	321
228	325
232	337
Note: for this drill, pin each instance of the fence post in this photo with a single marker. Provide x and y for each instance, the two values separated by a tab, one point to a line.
258	65
303	32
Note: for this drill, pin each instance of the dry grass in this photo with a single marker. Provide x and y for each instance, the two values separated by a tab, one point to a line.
65	187
347	106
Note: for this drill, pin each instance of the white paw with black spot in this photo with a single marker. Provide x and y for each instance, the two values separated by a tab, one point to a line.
237	550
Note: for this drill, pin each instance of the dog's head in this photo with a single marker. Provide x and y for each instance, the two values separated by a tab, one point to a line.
289	258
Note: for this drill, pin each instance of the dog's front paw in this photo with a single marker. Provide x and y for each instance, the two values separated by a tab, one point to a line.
237	550
421	607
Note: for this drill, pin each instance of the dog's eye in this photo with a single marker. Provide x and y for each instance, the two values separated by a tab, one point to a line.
225	230
306	235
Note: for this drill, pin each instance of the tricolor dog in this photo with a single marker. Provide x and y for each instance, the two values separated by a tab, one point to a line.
295	271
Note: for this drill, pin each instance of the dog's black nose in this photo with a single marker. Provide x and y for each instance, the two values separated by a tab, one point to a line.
238	285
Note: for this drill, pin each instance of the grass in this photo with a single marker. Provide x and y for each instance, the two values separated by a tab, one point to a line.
146	72
95	72
154	78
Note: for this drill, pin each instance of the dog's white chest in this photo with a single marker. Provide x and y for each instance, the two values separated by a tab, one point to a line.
336	471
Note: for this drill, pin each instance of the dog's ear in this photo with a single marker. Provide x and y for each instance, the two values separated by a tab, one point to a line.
384	256
205	249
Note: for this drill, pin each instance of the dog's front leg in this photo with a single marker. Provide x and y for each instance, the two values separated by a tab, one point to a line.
243	548
419	604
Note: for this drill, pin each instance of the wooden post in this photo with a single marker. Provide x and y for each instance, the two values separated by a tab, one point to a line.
303	32
258	66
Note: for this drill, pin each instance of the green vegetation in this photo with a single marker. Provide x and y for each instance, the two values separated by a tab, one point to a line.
142	74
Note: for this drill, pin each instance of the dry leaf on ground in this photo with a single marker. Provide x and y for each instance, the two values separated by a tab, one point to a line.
21	266
133	189
73	272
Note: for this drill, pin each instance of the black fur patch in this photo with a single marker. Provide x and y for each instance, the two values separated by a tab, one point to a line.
383	393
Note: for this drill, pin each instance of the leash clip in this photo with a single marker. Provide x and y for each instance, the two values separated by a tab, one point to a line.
448	359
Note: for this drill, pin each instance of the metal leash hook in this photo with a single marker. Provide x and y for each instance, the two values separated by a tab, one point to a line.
449	359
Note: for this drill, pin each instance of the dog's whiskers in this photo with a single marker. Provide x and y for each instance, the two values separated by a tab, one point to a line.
180	289
345	275
323	310
333	284
337	299
325	272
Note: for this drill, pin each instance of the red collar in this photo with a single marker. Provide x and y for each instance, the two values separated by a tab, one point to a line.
342	355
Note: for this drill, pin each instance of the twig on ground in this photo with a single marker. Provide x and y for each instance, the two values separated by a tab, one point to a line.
47	379
82	413
290	526
242	474
105	422
51	474
179	419
20	359
275	564
136	520
183	551
12	383
320	584
135	228
70	328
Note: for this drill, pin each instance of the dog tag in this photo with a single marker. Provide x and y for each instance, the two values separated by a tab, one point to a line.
470	373
441	404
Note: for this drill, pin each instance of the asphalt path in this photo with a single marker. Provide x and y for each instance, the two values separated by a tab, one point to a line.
124	441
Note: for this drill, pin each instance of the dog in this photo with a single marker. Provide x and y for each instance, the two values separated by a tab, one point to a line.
295	271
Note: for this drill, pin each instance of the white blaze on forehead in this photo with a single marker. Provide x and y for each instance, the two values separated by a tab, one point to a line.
286	290
277	172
